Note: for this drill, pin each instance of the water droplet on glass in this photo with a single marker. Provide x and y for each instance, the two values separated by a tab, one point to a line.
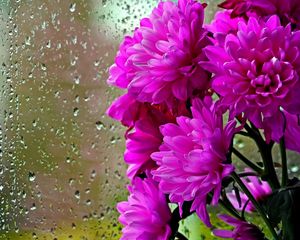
93	174
77	194
72	7
75	112
33	207
71	181
31	176
100	125
27	41
73	225
77	79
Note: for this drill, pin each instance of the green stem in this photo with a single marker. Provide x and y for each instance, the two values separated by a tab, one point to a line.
180	236
244	208
245	134
226	204
283	162
247	174
255	203
247	161
266	153
176	218
269	171
227	180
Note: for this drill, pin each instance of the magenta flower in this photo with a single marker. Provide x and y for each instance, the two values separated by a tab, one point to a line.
242	230
127	110
146	214
192	157
287	10
123	70
257	72
291	131
160	62
140	144
222	25
145	138
260	190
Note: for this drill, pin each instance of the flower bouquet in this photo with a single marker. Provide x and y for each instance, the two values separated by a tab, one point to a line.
191	90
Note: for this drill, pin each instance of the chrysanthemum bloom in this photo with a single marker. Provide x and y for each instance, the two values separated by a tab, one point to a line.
145	138
127	110
192	157
140	144
222	25
242	230
160	62
287	10
259	189
123	70
146	214
257	72
291	131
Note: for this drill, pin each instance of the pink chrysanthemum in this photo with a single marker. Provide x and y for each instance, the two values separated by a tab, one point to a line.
291	131
127	110
222	25
146	214
161	61
257	72
260	190
192	157
123	70
140	144
242	230
145	138
287	10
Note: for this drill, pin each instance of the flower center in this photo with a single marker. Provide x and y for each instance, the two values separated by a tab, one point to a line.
272	76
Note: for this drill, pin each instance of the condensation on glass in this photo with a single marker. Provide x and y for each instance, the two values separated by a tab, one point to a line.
61	170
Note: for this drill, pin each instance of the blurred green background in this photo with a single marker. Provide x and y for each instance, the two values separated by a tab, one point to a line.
61	168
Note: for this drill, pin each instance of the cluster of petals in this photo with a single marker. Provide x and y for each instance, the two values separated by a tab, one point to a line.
177	144
257	72
242	230
287	10
222	25
160	62
291	129
127	110
191	160
260	190
145	138
146	214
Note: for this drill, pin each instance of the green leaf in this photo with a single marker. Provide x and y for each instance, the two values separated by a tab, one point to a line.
283	206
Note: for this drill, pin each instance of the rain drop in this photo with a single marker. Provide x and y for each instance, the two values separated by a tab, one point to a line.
75	112
77	194
100	125
31	176
72	7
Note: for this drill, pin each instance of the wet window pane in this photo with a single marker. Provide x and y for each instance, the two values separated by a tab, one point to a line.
61	168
